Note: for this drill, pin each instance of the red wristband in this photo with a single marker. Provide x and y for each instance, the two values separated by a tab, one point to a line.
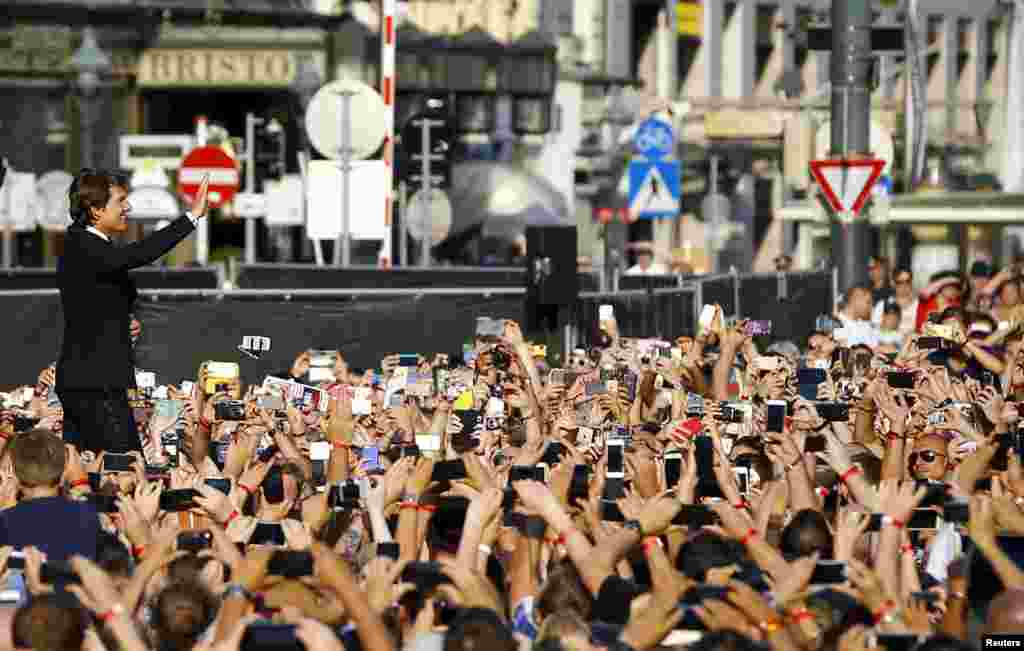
205	424
852	471
409	505
650	542
893	436
899	524
427	508
751	534
742	504
231	518
138	551
907	548
116	610
339	445
800	615
883	611
247	489
78	483
6	436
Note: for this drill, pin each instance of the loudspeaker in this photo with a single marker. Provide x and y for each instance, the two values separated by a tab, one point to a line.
551	276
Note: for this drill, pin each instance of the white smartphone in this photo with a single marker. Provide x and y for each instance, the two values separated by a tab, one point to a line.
145	379
616	459
318	374
428	442
584	436
227	370
495	407
606	313
707	316
742	479
320	451
361	404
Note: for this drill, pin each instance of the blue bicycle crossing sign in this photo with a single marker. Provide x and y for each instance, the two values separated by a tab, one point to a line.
654	139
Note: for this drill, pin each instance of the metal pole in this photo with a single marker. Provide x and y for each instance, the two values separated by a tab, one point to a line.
709	223
388	84
851	127
402	259
8	246
343	245
251	122
426	188
203	225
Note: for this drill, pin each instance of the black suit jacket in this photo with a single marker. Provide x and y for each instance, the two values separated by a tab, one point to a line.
97	294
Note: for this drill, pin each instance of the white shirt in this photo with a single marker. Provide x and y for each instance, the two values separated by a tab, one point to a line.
908	316
98	233
859	332
656	269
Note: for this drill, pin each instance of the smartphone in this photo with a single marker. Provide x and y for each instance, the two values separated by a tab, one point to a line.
194	541
181	499
776	415
229	410
704	453
319	451
707	317
370	455
957	511
610	511
16	560
267	636
449	470
58	572
270	403
596	389
428	442
900	379
813	376
290	564
118	462
934	343
757	328
268	533
742	475
408	360
815	444
390	550
223	485
524	473
694	405
616	459
673	467
828	573
606	312
833	412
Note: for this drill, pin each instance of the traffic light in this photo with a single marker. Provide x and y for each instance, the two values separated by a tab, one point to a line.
270	151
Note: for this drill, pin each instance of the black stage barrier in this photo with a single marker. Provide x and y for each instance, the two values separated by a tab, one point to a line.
180	333
145	278
288	276
627	283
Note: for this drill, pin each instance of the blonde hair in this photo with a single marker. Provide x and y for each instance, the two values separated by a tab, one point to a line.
566	627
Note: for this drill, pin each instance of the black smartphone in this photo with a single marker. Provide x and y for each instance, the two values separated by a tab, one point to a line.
268	533
553	453
290	564
273	486
343	496
57	572
900	379
936	493
957	511
934	343
194	541
181	499
673	467
833	412
579	485
409	360
117	462
267	454
610	512
411	451
695	515
828	573
815	444
776	416
390	550
450	470
814	376
223	485
267	636
103	503
16	561
524	473
233	410
705	456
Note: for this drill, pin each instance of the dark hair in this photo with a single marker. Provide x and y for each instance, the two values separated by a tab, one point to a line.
727	640
805	534
48	623
181	614
90	189
113	557
707	551
564	591
479	628
39	457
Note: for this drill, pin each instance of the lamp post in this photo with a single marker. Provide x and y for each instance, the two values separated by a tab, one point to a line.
305	84
90	63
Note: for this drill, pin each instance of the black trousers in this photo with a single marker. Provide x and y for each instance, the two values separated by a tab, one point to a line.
99	420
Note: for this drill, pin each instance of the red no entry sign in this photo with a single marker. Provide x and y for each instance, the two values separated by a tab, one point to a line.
221	167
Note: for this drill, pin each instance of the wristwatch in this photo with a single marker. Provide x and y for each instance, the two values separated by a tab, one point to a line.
634	525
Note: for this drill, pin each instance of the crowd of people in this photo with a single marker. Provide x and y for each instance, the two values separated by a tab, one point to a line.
707	492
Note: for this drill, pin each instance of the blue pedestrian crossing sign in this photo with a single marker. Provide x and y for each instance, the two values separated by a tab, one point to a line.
654	188
654	138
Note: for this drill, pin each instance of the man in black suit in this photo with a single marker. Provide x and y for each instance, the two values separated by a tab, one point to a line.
97	366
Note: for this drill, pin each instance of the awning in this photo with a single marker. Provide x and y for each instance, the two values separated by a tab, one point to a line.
937	208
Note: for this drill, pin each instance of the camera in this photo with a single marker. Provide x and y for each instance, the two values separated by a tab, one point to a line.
730	414
229	410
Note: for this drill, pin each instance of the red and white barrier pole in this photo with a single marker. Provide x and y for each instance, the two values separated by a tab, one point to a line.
387	91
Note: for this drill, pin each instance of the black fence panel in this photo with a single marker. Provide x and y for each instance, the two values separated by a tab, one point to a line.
791	305
145	278
290	276
627	283
718	290
178	334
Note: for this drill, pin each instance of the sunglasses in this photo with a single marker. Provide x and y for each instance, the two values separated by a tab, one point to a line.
928	456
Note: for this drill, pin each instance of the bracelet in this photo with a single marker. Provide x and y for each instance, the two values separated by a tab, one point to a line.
650	542
747	539
798	615
247	489
205	424
899	524
426	508
138	550
6	436
885	614
770	626
234	514
894	436
907	548
852	471
742	504
115	610
409	505
78	483
485	549
340	445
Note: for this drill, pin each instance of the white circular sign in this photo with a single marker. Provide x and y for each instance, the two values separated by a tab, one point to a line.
52	197
431	215
366	119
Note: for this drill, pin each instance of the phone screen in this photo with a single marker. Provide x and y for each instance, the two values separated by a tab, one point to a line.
776	415
409	360
705	455
223	485
616	462
828	572
118	462
371	455
900	380
673	468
